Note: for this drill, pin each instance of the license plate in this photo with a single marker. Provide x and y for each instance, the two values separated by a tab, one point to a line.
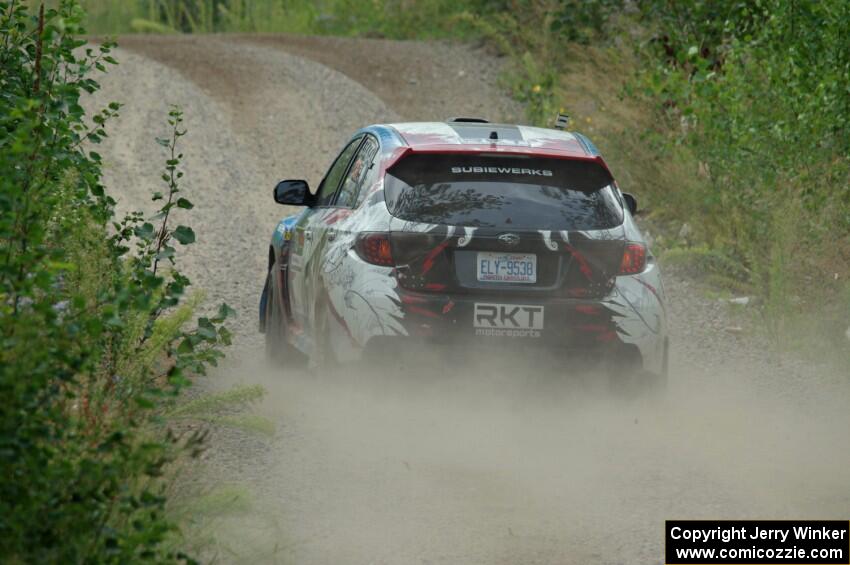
507	267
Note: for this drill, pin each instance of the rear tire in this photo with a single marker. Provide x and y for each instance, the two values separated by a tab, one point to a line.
627	379
279	351
663	379
322	358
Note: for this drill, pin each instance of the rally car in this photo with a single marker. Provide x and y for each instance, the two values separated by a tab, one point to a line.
461	234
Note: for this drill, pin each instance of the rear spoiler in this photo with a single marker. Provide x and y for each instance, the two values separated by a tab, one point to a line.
460	119
492	150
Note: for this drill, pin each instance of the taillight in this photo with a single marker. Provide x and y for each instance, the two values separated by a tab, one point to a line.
634	259
375	248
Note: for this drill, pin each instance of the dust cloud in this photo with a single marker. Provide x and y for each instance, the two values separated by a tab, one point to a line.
519	461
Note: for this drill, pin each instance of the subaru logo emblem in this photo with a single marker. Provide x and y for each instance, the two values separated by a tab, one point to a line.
509	239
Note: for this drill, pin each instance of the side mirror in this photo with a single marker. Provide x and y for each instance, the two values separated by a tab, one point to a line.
631	203
292	193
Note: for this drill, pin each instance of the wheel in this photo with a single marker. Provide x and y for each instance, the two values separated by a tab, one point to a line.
655	384
664	377
627	379
278	349
322	358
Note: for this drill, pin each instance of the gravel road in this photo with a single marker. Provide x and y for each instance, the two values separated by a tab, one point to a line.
489	468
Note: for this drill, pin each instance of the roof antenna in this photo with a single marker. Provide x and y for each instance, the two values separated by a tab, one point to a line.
494	134
562	121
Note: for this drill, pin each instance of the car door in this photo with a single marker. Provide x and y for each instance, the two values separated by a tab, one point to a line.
305	258
339	229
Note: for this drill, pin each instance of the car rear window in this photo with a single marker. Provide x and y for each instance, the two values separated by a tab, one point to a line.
502	191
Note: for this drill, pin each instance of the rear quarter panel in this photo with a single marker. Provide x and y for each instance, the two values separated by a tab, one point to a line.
362	297
639	302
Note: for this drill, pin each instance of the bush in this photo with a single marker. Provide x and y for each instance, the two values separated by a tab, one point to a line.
399	19
758	93
92	348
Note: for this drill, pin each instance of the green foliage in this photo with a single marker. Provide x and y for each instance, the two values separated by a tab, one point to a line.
140	25
397	19
224	499
583	20
701	261
225	409
534	34
574	20
92	339
759	92
216	403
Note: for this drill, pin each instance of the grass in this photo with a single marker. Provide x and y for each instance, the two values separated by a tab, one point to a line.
238	396
222	500
399	20
226	409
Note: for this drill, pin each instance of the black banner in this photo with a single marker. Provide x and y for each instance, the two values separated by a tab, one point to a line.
761	542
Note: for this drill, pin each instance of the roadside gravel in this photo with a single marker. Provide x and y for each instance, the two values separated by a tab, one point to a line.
489	469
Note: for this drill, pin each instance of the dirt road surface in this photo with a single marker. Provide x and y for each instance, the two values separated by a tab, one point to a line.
493	466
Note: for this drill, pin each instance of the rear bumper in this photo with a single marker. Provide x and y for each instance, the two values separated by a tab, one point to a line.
585	331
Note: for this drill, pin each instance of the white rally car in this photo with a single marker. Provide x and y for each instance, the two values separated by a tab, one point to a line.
465	233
